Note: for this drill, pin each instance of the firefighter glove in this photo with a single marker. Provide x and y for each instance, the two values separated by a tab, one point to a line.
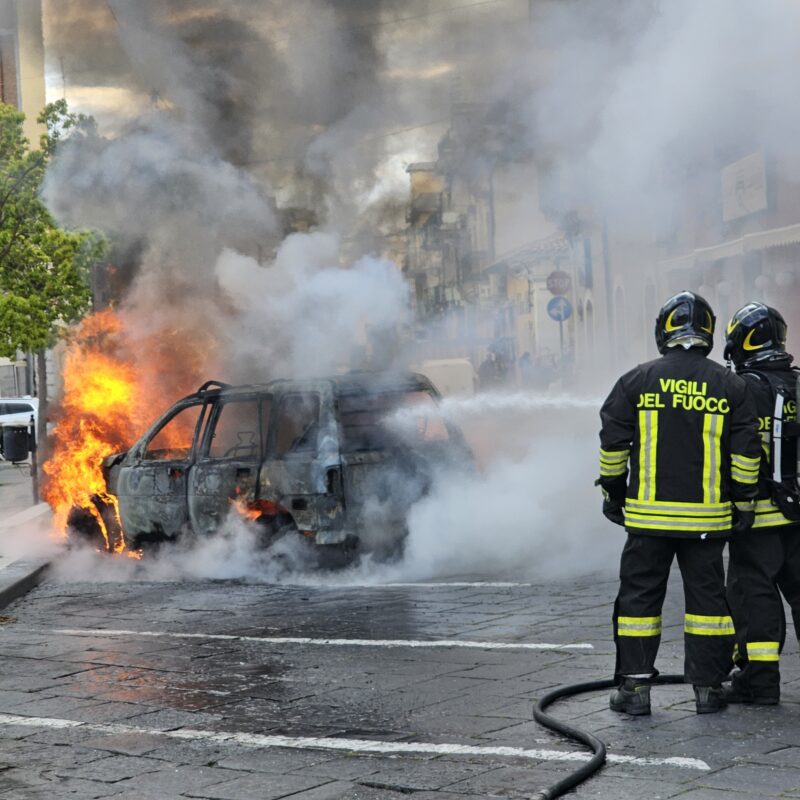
613	498
613	511
744	515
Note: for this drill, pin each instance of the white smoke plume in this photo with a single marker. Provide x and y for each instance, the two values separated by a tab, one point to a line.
304	315
530	513
639	102
234	552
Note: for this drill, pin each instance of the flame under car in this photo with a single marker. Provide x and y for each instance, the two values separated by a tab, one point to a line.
336	460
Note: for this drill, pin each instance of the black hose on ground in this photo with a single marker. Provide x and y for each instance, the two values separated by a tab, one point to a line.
589	739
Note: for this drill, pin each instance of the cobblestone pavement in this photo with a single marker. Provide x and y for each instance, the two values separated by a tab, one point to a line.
224	702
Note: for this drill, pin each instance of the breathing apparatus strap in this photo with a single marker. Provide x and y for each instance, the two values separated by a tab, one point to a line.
777	436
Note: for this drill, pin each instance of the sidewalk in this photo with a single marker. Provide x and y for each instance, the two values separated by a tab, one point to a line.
15	489
24	541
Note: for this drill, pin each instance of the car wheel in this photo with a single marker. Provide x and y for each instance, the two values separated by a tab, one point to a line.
84	526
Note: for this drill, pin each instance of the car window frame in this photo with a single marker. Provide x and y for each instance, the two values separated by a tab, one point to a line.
272	439
399	391
167	417
203	454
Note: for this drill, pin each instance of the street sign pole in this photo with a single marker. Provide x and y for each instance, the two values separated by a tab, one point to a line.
559	308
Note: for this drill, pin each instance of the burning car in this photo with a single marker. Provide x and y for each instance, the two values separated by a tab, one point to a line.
335	460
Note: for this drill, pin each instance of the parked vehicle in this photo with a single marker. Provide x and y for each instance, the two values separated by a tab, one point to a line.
18	410
15	421
451	376
337	460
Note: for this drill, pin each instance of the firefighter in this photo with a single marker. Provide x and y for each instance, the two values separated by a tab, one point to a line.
688	429
767	558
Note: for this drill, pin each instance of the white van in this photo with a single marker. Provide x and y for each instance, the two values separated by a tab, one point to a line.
18	410
451	376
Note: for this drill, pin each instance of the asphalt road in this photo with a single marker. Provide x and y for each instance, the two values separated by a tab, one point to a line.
228	690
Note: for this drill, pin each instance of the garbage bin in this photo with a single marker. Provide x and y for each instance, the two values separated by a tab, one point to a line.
15	442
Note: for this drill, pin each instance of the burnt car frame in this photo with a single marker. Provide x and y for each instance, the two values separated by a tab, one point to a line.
314	457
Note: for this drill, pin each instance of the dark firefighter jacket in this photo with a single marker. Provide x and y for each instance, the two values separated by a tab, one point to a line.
688	428
764	383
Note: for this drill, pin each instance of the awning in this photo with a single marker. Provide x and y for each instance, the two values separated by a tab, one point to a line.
717	251
535	252
777	237
759	240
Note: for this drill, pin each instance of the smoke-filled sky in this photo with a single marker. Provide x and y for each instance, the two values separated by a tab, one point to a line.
326	100
217	115
329	101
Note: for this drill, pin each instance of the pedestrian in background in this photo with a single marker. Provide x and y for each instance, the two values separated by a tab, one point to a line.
766	560
679	442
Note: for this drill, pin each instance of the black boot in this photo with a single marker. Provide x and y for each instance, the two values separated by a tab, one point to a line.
739	692
632	697
709	699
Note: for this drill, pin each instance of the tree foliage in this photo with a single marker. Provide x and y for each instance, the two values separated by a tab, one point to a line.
44	270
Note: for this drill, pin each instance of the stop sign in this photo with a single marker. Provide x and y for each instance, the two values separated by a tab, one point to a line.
559	282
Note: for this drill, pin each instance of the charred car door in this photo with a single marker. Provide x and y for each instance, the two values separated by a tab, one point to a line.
301	473
228	460
151	484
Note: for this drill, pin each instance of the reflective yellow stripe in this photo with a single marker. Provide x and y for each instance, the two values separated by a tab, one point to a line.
662	515
648	441
764	651
712	454
774	520
698	525
668	507
613	462
744	469
614	455
612	472
748	478
638	626
769	516
745	462
701	625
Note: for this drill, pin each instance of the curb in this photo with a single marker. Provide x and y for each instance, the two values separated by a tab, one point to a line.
26	515
19	577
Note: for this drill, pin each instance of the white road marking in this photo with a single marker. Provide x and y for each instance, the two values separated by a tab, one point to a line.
349	745
421	643
442	584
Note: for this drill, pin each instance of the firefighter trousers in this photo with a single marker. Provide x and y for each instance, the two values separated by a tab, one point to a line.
763	563
708	627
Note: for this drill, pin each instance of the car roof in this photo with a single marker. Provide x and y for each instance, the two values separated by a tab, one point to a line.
355	382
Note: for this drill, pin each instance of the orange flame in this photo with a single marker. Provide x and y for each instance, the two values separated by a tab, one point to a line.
249	512
97	418
113	388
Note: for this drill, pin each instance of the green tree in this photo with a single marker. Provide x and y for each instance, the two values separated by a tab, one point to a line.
44	270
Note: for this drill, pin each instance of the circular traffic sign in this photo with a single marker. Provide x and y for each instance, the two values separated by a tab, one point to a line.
559	282
559	309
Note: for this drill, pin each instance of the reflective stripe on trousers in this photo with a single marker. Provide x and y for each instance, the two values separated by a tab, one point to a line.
639	626
764	651
701	625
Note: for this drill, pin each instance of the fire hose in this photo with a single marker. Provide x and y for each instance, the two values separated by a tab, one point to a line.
584	737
